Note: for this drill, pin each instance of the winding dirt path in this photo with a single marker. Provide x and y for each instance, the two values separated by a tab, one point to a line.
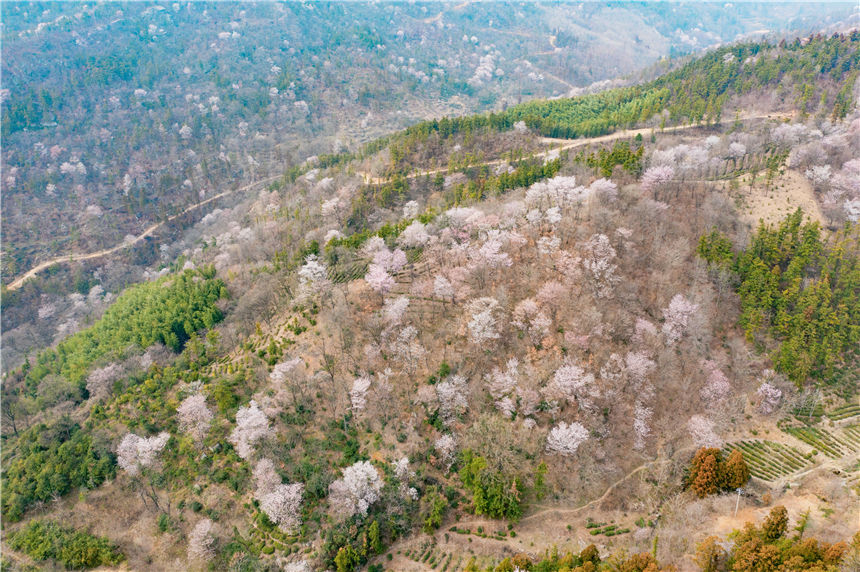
560	145
124	244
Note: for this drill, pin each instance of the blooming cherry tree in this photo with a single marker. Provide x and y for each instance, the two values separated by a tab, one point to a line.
414	236
702	431
201	541
283	506
573	384
355	491
135	453
529	318
451	394
565	439
484	323
379	279
195	417
657	177
677	317
251	426
446	446
717	387
598	259
641	428
358	394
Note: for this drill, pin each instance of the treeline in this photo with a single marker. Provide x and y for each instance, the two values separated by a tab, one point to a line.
801	289
696	92
484	185
167	311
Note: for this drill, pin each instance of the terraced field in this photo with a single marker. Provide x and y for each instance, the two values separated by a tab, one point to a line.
769	460
844	412
435	558
834	445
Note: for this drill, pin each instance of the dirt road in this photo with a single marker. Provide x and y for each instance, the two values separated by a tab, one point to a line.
126	243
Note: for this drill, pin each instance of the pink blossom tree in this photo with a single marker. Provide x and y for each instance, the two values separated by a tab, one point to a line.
657	178
769	395
717	387
379	279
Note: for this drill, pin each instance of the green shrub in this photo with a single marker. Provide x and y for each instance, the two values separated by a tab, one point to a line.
43	540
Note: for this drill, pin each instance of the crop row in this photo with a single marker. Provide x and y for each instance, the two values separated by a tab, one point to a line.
429	555
844	412
768	460
822	440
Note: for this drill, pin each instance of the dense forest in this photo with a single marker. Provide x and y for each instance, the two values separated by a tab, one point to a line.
803	290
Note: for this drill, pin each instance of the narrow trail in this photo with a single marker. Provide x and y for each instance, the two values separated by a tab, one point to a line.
565	144
125	244
545	509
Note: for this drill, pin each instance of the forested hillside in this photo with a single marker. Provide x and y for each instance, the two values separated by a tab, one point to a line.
146	108
466	346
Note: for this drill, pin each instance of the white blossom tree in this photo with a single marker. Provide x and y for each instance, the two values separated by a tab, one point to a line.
677	317
484	323
356	490
564	439
100	381
266	478
413	236
451	394
393	310
530	319
446	447
313	276
443	289
135	453
358	393
201	541
194	417
251	426
573	384
641	428
702	431
598	259
283	506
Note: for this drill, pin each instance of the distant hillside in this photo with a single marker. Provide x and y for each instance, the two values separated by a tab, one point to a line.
146	108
